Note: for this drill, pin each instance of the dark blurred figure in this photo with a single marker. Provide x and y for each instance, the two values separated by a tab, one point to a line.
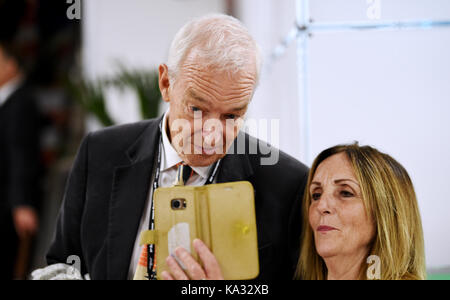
39	47
19	150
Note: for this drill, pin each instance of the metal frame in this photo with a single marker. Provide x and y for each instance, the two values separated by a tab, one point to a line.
303	28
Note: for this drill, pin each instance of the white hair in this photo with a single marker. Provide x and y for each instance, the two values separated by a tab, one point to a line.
221	41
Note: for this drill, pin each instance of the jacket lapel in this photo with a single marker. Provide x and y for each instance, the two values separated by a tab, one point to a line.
131	185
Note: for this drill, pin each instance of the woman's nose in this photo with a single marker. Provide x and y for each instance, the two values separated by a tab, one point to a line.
324	205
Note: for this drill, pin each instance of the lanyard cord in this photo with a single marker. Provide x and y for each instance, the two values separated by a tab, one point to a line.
151	271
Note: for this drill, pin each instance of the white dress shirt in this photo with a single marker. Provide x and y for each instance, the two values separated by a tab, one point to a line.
9	88
169	160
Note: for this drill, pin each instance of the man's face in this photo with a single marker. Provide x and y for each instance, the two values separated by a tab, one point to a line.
5	67
206	110
8	67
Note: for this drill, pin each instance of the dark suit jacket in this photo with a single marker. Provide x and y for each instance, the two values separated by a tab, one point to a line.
19	167
19	150
109	184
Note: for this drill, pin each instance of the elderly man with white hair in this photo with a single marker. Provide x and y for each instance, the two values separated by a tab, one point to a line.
208	81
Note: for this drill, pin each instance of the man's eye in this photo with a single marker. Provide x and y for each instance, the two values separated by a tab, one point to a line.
346	194
315	196
195	109
231	116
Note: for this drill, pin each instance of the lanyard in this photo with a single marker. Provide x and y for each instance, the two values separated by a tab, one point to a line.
150	248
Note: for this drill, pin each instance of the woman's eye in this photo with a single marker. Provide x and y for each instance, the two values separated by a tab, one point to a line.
231	116
315	196
347	194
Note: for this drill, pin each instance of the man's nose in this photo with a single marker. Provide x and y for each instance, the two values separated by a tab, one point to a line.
212	127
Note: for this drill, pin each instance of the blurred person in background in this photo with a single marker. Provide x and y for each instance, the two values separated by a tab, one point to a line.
19	150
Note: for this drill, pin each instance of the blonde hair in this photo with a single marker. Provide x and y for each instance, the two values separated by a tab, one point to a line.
389	198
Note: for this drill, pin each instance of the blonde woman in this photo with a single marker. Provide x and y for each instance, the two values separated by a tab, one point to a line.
361	218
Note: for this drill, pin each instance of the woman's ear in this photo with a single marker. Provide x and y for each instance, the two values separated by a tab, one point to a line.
164	82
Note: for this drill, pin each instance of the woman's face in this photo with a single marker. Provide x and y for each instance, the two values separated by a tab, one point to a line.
337	215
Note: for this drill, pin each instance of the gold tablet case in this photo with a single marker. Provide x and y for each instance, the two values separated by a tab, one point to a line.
221	215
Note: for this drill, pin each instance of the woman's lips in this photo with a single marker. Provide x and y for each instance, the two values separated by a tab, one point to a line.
325	228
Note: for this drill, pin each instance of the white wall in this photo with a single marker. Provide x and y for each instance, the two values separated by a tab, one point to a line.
386	89
136	32
276	97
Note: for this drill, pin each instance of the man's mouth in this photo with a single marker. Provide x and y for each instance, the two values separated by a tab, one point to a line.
206	150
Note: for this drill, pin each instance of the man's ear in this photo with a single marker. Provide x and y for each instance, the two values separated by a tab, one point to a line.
164	82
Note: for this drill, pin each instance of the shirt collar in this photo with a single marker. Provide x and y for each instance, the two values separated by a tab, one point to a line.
170	157
9	88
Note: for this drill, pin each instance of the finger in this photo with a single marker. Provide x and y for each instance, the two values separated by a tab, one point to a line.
175	269
193	268
166	276
212	267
